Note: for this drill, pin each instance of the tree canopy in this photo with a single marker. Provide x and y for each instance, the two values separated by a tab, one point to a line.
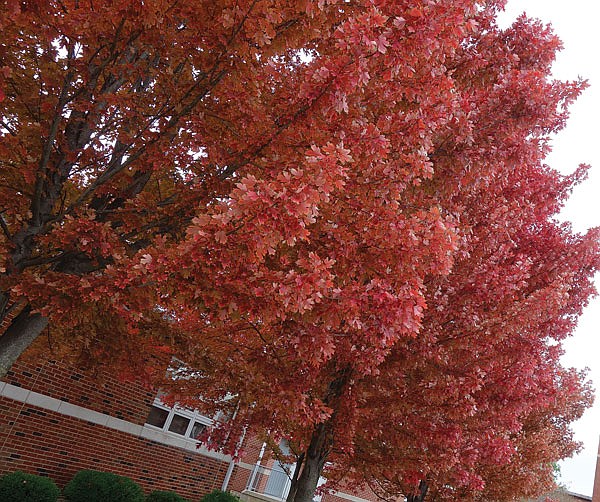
338	212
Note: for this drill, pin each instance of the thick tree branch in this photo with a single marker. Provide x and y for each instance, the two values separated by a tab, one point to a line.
23	330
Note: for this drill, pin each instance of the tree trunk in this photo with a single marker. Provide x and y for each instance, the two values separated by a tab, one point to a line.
304	487
420	495
21	332
295	476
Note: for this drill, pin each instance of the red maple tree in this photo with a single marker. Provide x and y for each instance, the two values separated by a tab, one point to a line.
119	121
405	313
337	211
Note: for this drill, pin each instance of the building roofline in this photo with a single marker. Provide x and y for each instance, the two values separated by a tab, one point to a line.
579	495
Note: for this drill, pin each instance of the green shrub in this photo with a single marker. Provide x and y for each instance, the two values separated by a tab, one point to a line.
21	487
163	496
219	496
96	486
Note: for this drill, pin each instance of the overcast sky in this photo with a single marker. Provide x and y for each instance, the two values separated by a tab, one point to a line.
576	23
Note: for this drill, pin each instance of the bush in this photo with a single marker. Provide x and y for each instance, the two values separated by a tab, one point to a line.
163	496
96	486
21	487
219	496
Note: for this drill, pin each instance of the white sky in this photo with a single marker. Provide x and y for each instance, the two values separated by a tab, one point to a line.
576	23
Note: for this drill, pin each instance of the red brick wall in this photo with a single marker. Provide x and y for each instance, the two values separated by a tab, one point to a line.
250	450
362	492
328	497
47	443
102	393
239	479
44	442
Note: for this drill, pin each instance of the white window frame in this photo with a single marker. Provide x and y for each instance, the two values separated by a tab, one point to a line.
194	416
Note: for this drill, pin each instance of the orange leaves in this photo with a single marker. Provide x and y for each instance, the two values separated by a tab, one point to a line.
314	198
415	12
279	210
87	235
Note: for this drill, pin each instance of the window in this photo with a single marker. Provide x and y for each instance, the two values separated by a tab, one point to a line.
197	429
157	417
177	420
179	424
180	421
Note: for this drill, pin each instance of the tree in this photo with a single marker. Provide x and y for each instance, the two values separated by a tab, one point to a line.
119	121
297	199
405	313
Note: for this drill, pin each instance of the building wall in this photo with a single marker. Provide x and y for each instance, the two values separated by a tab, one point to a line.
357	493
99	392
562	495
336	497
50	442
55	421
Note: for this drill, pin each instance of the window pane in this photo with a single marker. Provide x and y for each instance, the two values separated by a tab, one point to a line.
197	429
179	424
157	417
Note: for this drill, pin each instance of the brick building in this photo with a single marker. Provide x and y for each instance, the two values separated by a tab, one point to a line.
562	495
55	421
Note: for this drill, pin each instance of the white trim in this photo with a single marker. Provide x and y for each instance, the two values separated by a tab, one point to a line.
16	393
252	496
42	401
75	411
123	426
346	496
146	431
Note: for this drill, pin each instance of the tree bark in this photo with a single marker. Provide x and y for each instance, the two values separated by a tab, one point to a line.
295	476
303	487
22	331
420	495
315	456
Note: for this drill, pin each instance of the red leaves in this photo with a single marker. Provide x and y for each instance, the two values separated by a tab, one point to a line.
415	12
342	203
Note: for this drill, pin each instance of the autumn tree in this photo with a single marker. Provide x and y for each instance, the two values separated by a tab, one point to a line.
484	402
119	120
402	288
487	358
296	200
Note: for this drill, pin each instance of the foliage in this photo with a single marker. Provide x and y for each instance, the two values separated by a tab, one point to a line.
22	487
345	203
219	496
119	123
406	311
164	496
97	486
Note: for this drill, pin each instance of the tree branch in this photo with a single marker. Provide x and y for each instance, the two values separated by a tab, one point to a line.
4	227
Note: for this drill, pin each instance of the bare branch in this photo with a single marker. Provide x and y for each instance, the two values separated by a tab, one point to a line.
10	130
4	227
